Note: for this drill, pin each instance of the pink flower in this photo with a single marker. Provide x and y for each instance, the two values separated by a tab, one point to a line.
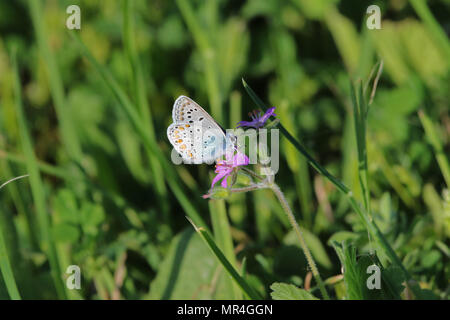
258	120
226	168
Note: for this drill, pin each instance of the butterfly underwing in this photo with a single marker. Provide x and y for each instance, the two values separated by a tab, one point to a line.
195	135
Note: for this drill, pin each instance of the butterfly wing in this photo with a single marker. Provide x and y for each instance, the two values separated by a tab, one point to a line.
194	134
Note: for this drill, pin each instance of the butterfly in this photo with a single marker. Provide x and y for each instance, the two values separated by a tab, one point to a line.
195	135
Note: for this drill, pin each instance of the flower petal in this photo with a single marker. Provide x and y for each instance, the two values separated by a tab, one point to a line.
240	159
224	182
246	124
267	115
219	176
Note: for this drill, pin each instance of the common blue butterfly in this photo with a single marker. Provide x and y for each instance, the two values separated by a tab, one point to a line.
195	135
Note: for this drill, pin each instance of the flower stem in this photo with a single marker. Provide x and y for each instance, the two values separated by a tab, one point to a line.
249	188
299	234
252	173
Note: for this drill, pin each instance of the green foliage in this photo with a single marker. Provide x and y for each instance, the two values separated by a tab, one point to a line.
284	291
357	275
84	113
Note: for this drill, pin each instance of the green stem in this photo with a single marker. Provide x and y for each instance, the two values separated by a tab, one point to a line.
37	189
369	224
249	188
299	234
208	54
5	263
436	31
66	124
431	132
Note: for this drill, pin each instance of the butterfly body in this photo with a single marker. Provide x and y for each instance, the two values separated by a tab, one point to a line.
195	135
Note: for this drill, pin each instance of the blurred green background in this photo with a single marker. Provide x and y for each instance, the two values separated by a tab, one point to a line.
102	192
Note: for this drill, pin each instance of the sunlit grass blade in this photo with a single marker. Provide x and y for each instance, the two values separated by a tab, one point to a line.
433	138
6	271
440	38
17	196
44	167
207	51
246	288
140	97
37	188
222	235
68	133
296	143
360	118
5	264
134	118
362	213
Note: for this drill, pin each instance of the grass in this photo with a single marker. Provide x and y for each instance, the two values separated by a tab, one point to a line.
363	167
37	188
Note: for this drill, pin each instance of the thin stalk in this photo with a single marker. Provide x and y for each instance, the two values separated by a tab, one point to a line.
138	84
43	167
299	234
37	189
5	264
239	280
135	120
249	188
208	54
6	271
68	133
222	236
436	31
368	223
431	131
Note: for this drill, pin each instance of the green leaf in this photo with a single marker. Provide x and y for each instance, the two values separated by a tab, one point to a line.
284	291
356	275
92	215
343	236
65	233
246	288
186	271
66	207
